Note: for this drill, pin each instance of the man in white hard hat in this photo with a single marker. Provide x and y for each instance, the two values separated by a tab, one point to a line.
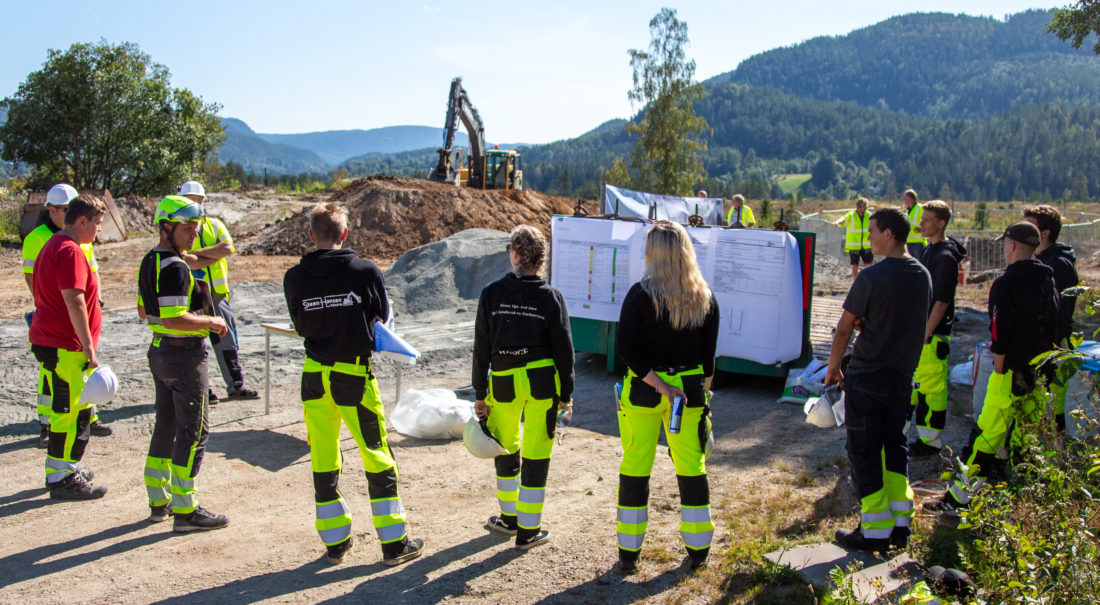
212	246
53	220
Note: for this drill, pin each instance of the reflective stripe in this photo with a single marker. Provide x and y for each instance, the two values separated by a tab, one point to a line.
631	541
930	436
158	474
961	494
633	515
902	521
335	535
877	534
528	520
386	507
699	540
390	533
507	507
221	281
507	485
57	470
183	483
331	510
168	260
695	515
183	501
528	495
879	516
901	505
28	263
172	301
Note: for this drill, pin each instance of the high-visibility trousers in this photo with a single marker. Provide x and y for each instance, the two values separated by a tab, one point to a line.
348	393
182	424
643	412
997	432
65	374
876	405
526	396
929	397
225	347
44	401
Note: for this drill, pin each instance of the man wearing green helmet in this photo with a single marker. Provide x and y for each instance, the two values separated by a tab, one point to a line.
173	306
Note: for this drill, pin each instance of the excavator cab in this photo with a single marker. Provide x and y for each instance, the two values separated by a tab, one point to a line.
502	169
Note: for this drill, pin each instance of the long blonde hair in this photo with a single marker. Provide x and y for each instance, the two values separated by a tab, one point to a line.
672	276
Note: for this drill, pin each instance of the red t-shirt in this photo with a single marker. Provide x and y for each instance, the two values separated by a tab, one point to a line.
61	265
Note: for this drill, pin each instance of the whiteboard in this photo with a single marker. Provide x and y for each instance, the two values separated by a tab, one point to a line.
756	276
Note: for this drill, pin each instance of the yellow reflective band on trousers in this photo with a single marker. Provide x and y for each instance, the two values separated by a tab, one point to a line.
68	416
639	428
348	393
930	391
526	396
182	483
158	474
890	506
45	397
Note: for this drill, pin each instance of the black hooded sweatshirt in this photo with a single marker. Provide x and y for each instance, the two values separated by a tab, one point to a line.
520	320
334	297
1023	313
1060	258
942	261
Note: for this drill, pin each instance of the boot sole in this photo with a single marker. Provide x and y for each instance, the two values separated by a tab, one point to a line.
54	496
183	529
501	530
409	556
533	543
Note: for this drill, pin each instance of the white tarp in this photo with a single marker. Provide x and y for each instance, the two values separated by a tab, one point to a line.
756	275
630	203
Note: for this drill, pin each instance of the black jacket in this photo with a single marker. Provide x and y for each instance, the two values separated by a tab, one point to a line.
942	261
1060	258
333	298
1023	313
520	320
647	341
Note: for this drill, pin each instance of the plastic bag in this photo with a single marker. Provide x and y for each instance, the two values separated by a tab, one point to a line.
431	414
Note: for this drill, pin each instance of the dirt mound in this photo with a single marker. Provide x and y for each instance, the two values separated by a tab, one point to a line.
137	213
389	215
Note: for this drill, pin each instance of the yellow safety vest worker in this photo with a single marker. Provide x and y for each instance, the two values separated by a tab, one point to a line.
212	231
36	240
915	214
855	237
745	216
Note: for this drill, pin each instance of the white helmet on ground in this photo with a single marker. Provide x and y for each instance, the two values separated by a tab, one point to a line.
479	441
101	386
708	447
60	195
819	412
192	188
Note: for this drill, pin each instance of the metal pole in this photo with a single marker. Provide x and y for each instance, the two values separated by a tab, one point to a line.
397	396
267	371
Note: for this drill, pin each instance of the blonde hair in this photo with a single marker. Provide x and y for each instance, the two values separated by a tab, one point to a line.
328	222
672	276
529	244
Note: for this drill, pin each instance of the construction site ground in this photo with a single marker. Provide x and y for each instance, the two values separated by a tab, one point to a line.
768	467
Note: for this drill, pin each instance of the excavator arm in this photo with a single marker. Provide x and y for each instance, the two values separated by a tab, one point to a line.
460	108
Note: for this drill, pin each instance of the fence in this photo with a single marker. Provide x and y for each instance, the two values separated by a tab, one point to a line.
985	257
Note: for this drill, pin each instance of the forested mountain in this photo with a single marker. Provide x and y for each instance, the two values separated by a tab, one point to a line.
254	154
335	146
934	64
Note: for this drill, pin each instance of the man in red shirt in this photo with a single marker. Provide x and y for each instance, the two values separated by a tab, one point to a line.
64	334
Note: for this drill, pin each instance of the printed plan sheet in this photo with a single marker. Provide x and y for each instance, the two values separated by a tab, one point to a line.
756	275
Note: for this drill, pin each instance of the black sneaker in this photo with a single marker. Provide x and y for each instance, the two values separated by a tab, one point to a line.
698	559
899	538
76	487
542	537
44	436
921	449
159	513
242	393
200	520
413	549
627	567
87	473
853	539
335	553
499	525
101	430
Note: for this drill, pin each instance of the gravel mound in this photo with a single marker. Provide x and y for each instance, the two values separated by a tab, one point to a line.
449	274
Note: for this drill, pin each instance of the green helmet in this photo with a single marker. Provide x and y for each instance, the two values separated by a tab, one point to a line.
177	209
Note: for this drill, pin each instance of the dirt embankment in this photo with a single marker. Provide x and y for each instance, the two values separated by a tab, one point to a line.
389	215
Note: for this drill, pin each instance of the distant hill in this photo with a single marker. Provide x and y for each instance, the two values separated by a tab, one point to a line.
335	146
243	147
933	64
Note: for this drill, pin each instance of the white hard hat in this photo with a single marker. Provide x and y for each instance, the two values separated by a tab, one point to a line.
192	188
60	195
708	447
479	441
101	386
819	412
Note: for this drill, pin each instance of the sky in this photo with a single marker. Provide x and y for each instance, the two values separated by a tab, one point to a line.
536	71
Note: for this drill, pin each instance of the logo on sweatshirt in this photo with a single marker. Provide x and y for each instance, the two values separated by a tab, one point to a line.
348	299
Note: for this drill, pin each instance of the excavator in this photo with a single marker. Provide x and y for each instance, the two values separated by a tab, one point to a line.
484	169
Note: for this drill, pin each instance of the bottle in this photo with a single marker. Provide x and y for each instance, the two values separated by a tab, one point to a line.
676	415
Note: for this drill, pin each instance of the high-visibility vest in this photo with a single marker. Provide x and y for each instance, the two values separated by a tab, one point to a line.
915	215
745	216
212	231
855	237
36	240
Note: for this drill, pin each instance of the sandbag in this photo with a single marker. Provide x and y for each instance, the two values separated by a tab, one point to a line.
431	414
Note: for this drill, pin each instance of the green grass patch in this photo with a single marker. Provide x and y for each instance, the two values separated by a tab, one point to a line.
790	183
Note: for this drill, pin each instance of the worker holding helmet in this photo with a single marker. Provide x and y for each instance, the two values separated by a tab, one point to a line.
522	371
169	300
207	259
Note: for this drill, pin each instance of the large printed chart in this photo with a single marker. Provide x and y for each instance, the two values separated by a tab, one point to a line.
755	275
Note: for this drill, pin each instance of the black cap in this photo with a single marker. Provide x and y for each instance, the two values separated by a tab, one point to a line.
1023	232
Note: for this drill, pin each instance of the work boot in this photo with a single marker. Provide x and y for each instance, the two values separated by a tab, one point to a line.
76	487
698	558
44	436
242	393
527	543
899	538
853	539
200	520
87	473
159	513
499	525
211	398
101	430
410	550
920	449
335	553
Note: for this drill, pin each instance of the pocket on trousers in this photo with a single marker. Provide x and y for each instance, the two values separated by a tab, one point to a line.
47	356
943	350
346	389
371	427
643	395
552	420
626	434
542	382
693	388
502	388
312	386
